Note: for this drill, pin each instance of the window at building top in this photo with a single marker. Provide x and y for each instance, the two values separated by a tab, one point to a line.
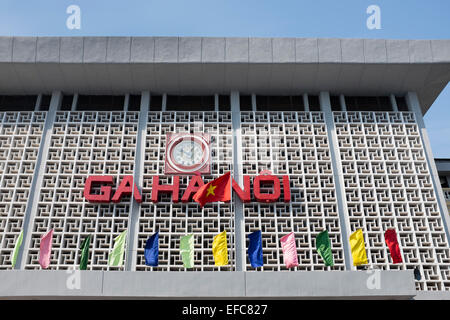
245	103
335	103
190	103
279	103
17	103
401	104
134	103
314	103
368	103
100	103
444	181
155	103
45	102
224	103
66	104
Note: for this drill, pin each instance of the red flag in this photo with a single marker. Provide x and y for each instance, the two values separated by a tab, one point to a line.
390	237
216	190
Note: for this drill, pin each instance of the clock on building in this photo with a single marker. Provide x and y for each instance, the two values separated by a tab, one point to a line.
187	153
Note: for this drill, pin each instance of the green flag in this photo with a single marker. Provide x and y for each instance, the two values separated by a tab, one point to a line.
85	253
16	249
323	246
187	250
115	258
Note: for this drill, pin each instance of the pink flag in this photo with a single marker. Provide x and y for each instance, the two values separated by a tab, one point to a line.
289	250
46	249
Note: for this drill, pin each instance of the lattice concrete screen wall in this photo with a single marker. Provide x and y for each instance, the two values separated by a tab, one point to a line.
174	220
83	144
388	185
20	137
294	144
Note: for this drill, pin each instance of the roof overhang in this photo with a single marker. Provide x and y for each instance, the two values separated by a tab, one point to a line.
194	65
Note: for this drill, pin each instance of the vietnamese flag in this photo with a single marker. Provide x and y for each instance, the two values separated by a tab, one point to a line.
390	236
216	190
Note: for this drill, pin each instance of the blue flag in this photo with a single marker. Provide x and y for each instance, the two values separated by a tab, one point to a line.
255	254
152	250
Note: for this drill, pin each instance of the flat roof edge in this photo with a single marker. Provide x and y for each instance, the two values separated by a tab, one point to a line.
207	49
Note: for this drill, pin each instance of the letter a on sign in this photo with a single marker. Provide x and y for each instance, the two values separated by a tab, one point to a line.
125	189
74	20
374	21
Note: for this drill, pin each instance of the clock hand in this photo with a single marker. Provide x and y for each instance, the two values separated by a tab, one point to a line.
191	156
185	153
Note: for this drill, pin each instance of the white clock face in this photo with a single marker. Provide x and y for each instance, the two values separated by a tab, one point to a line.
188	153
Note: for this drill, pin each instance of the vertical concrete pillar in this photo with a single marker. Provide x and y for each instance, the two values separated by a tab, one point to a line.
74	102
306	102
38	175
393	103
253	102
126	102
414	106
239	226
342	102
164	102
325	106
38	102
138	178
216	102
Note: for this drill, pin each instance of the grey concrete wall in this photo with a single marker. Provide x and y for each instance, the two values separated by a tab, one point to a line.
207	50
432	295
126	284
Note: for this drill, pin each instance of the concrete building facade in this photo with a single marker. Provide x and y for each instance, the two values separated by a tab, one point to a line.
342	119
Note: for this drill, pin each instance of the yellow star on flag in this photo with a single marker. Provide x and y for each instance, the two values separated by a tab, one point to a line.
217	190
211	190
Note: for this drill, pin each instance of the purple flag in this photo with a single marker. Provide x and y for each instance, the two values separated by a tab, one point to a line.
289	250
46	249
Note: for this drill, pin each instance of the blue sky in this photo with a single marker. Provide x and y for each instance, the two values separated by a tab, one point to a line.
400	19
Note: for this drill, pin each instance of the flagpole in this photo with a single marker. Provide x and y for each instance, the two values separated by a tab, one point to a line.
232	218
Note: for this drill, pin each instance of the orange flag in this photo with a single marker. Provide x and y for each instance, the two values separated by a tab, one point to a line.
216	190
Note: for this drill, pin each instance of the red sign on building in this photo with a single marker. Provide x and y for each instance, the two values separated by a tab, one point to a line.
126	189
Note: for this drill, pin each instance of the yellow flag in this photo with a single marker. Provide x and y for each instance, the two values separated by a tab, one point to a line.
358	248
220	250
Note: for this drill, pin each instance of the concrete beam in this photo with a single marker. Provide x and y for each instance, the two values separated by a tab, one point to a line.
138	178
45	284
325	107
32	203
239	221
